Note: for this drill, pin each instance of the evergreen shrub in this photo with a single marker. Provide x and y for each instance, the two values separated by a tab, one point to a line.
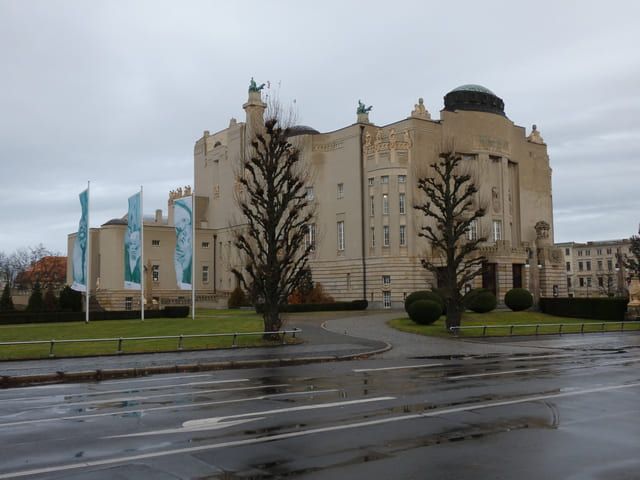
424	312
483	302
423	295
518	299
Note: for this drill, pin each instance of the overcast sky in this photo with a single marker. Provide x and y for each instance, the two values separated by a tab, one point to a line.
117	92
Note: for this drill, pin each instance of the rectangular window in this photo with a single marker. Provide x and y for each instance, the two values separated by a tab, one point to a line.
588	265
599	251
386	279
386	299
384	179
472	231
385	204
580	266
373	237
371	181
494	158
568	266
581	281
205	274
205	244
566	251
401	203
609	251
310	236
402	178
601	282
579	253
385	234
128	303
588	253
609	265
309	193
341	190
341	235
599	264
569	282
403	235
155	273
348	281
497	230
155	243
588	281
372	205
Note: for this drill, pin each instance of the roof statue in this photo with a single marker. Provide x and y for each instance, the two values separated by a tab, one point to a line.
420	111
253	87
535	136
362	108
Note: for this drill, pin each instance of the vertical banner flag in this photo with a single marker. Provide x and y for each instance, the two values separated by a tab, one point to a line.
133	244
79	258
183	256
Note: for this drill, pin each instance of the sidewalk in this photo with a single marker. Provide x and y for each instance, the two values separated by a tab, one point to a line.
326	336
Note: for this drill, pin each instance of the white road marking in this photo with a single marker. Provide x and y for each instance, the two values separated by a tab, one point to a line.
542	357
402	367
149	397
120	413
216	423
283	436
108	392
492	374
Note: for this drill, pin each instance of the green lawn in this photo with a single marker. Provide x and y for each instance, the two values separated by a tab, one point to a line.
206	322
530	319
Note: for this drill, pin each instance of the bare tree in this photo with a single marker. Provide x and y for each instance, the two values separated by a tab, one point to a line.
449	204
277	215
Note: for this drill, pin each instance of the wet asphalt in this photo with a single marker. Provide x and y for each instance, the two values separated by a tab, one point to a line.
325	337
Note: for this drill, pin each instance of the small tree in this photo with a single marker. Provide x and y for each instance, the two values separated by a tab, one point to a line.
50	300
70	300
275	207
633	263
450	208
36	301
6	302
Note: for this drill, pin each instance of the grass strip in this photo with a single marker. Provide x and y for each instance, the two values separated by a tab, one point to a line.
528	323
206	322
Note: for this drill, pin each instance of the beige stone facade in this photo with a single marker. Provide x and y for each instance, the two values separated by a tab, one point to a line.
596	269
363	179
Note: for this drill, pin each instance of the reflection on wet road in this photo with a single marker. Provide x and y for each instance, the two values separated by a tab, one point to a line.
473	417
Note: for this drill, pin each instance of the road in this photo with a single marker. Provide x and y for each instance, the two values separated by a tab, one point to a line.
572	414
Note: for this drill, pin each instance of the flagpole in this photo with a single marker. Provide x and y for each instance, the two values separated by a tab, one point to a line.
87	260
142	264
193	254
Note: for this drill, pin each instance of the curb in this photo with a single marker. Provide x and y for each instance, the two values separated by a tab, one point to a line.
99	375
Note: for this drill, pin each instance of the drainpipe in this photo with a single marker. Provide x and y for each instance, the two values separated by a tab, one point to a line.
362	215
215	245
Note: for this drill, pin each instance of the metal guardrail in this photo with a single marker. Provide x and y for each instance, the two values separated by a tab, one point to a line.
537	326
180	338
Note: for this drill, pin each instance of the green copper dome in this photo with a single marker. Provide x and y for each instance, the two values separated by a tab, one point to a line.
473	97
473	88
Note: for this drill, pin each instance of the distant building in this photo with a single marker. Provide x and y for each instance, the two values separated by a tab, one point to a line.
48	271
596	269
364	180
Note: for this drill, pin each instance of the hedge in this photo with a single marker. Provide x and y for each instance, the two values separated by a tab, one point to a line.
321	307
52	317
598	308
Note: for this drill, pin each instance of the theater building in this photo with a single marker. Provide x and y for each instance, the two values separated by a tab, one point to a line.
363	179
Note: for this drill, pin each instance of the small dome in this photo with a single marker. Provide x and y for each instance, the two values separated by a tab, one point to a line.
475	98
116	221
471	87
301	130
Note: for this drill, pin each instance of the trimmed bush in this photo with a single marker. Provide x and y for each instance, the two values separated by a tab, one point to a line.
423	295
518	299
237	298
483	302
424	312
